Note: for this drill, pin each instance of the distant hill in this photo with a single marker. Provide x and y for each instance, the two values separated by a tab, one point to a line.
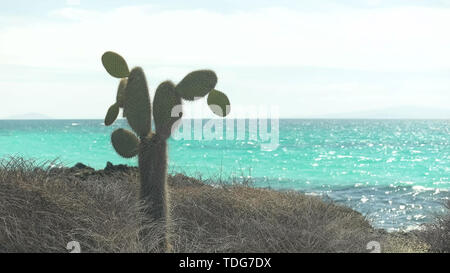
404	112
28	116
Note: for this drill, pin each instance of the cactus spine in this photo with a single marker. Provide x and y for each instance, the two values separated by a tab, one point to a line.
151	147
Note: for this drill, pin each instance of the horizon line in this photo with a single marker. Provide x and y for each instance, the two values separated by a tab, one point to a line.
281	118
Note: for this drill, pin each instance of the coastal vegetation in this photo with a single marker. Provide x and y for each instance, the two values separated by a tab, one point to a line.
151	147
44	207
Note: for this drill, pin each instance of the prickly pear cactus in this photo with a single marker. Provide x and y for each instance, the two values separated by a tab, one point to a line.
151	147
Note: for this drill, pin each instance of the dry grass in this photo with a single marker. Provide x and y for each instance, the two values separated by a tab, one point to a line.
437	234
42	209
242	219
42	212
404	242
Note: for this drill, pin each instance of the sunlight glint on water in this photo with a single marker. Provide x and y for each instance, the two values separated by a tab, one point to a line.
396	172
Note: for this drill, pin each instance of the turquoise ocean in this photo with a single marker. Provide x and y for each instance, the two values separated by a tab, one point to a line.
396	172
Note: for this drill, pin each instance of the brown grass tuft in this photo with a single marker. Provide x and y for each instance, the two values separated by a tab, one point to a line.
437	234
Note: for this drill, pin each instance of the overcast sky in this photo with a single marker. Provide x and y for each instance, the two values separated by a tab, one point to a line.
308	58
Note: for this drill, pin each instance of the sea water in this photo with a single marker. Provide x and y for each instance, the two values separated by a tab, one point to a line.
396	172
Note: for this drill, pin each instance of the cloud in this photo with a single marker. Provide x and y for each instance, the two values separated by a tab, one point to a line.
407	38
73	2
315	62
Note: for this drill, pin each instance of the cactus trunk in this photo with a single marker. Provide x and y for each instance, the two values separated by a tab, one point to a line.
153	176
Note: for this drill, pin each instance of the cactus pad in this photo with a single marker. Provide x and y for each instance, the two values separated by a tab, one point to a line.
163	108
120	98
196	84
112	114
137	103
115	64
219	103
125	143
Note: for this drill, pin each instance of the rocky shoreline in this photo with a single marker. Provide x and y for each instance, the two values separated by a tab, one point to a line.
84	172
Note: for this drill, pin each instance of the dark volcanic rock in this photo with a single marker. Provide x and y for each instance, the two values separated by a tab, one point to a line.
117	168
81	166
84	172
